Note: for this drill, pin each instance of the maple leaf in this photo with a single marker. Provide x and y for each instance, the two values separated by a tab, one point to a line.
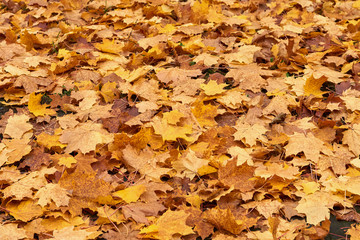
109	46
316	207
250	133
50	141
85	184
284	171
171	132
224	219
139	211
309	144
233	99
255	104
85	137
17	126
212	88
11	231
71	234
170	223
52	192
351	102
67	161
107	214
35	106
244	176
130	194
312	86
189	165
24	187
351	138
354	232
242	155
24	210
145	161
205	114
245	54
108	91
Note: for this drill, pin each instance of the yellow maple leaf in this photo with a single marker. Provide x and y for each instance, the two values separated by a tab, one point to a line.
172	222
173	117
49	141
130	194
205	114
107	214
212	88
36	108
312	86
109	46
170	132
67	161
356	4
354	231
352	102
24	210
109	91
168	29
242	155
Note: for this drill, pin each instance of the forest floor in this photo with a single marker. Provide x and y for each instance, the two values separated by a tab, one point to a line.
198	119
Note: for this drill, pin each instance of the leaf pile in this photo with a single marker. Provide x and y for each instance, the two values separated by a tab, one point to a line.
192	119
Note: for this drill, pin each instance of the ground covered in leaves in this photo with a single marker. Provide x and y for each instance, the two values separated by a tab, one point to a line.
184	119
